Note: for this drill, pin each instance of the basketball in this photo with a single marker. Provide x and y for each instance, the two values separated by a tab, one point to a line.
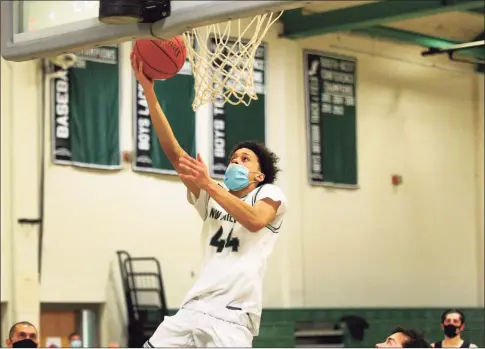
161	59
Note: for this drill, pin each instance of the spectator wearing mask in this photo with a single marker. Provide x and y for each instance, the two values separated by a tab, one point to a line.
453	324
76	340
403	337
23	335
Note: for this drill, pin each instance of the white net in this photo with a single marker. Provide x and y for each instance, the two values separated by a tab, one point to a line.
223	62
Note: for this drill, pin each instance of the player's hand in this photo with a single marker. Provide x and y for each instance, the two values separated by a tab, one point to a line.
144	81
195	171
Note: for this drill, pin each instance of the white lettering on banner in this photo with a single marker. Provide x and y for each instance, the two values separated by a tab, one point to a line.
313	69
348	67
142	102
350	101
259	64
343	78
338	110
219	106
314	112
317	165
62	106
327	74
326	108
259	82
260	52
144	134
338	100
100	54
345	90
313	86
316	139
337	77
80	63
144	122
219	142
329	63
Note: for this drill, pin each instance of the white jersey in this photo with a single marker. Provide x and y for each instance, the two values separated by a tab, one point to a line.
234	258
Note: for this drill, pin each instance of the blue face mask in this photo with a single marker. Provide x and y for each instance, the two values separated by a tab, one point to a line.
236	177
76	343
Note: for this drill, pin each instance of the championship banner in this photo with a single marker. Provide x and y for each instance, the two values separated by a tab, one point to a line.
175	96
232	124
85	120
330	94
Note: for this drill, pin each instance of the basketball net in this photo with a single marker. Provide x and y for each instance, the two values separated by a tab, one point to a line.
223	65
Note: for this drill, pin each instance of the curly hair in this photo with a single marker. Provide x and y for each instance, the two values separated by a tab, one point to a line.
267	159
414	339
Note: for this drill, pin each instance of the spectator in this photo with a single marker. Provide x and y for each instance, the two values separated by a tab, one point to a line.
23	335
453	324
76	340
403	337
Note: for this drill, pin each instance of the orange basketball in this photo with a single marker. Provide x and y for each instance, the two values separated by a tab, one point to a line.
161	59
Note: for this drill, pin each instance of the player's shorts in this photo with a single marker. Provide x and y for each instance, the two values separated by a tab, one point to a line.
193	328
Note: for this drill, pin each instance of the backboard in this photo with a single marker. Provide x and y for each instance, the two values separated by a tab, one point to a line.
39	29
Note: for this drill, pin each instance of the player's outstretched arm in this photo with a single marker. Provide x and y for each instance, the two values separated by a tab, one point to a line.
168	142
253	218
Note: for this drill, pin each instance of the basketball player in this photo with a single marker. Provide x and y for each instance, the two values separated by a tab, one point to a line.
453	324
241	221
403	337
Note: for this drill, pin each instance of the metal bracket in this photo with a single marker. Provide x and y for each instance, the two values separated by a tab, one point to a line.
452	57
29	220
459	47
155	10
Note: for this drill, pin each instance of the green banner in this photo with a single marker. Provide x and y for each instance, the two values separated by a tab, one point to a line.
331	119
175	96
232	124
85	117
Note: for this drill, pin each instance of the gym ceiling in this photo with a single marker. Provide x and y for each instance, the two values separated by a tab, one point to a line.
427	23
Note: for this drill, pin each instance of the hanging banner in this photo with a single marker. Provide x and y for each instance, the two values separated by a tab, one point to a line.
85	104
61	135
330	95
232	124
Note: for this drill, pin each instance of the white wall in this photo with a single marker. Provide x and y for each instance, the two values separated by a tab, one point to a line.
5	179
20	189
480	143
371	246
5	221
338	248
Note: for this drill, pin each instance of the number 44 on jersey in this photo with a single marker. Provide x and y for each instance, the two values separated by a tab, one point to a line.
216	241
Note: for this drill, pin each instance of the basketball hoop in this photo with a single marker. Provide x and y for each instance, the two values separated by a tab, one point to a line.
223	64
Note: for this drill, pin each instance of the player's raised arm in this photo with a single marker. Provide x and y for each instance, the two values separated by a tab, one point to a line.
168	142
